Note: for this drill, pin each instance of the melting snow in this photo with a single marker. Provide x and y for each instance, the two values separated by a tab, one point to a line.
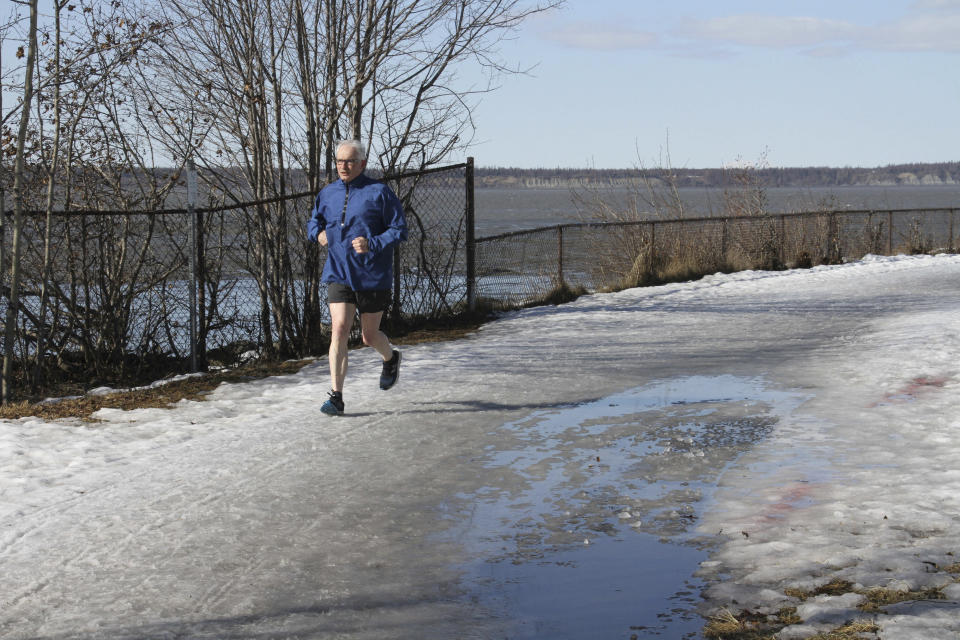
718	444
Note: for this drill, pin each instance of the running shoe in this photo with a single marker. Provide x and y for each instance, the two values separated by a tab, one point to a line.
391	371
334	404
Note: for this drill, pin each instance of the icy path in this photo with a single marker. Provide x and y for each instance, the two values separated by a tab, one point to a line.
821	403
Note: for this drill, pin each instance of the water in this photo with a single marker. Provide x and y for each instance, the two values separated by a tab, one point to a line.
585	527
500	210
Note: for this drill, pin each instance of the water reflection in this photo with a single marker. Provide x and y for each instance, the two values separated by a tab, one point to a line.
584	525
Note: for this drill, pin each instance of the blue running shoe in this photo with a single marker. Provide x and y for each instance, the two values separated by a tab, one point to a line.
391	371
334	404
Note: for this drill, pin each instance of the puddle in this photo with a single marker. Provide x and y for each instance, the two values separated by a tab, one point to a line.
612	588
584	526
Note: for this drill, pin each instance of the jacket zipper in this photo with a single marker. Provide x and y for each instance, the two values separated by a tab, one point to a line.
346	198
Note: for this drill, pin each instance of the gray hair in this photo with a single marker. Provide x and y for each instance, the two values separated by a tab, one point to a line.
357	147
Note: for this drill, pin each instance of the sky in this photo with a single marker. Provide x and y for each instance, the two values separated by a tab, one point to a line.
549	475
713	83
707	83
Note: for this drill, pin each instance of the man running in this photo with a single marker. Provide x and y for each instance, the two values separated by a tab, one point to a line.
360	221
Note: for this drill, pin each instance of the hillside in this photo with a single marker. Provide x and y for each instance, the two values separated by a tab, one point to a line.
901	174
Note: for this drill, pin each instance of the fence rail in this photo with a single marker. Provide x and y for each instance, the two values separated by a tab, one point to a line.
115	297
522	267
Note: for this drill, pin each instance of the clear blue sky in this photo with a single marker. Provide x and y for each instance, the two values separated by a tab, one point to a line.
620	82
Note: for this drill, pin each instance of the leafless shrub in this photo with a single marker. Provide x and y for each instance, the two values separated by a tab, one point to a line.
917	240
257	94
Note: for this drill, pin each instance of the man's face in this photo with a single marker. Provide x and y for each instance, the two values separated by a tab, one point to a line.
349	165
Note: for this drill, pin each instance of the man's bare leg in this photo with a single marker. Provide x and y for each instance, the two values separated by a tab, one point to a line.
341	320
373	336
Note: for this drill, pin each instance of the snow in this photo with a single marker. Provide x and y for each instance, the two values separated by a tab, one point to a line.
613	466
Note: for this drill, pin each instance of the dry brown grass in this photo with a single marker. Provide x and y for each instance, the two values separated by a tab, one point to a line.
727	626
749	626
850	631
193	388
835	587
878	597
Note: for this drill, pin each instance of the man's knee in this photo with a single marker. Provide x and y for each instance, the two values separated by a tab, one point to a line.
369	336
340	332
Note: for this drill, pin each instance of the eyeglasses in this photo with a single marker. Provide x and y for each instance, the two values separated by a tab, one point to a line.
350	161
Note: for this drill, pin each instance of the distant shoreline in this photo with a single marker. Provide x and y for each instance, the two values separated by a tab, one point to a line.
938	174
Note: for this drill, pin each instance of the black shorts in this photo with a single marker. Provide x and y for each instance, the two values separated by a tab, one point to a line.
366	301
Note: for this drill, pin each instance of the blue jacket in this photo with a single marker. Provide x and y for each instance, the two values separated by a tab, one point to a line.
374	212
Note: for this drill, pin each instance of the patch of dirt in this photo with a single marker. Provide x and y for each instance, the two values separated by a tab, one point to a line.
197	387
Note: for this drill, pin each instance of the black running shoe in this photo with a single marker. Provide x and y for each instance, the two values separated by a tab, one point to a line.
334	405
391	371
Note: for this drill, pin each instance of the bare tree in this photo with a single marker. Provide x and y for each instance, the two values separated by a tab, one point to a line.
82	147
19	178
116	97
277	83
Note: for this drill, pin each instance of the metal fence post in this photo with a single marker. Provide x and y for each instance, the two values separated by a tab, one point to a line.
889	233
950	248
782	252
560	256
835	253
471	248
653	247
724	234
191	211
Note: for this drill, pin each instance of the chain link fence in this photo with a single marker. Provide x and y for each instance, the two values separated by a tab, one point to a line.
119	297
526	267
431	266
123	297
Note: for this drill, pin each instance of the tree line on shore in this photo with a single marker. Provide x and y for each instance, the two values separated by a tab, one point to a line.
894	174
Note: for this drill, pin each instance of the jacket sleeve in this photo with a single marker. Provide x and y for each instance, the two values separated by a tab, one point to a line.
395	222
317	222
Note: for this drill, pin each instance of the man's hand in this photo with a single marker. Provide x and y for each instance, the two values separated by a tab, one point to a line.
322	238
360	245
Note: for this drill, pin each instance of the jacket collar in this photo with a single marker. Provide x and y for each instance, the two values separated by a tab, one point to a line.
359	181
